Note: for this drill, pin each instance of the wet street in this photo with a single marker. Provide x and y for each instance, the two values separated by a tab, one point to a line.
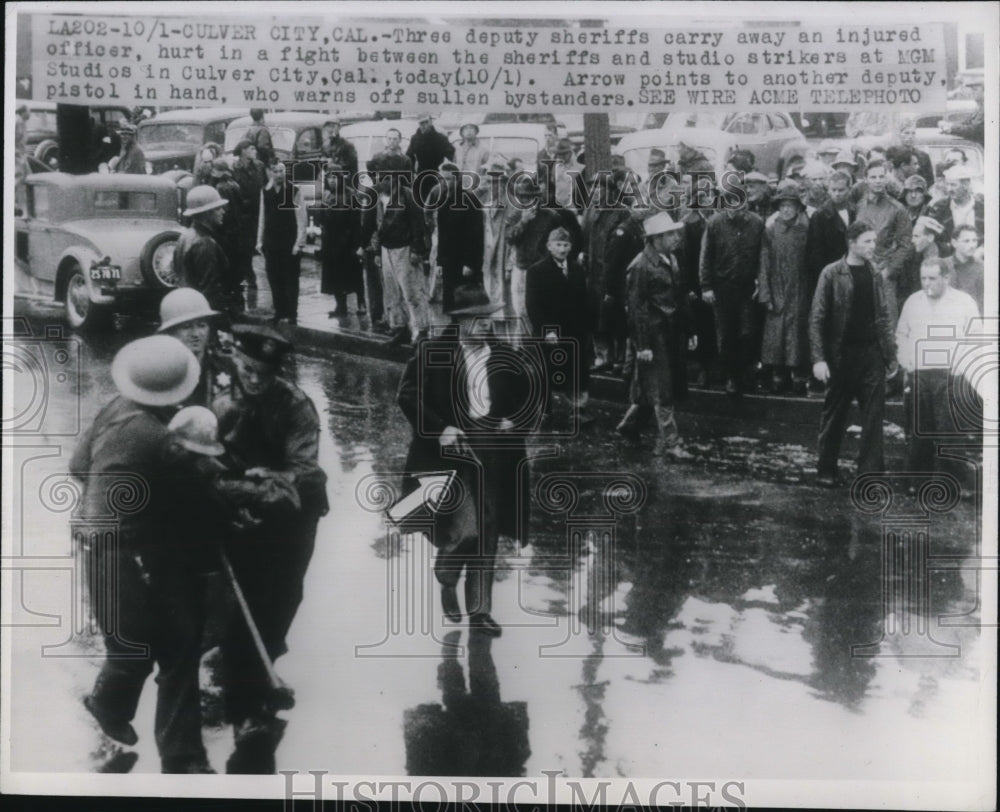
713	617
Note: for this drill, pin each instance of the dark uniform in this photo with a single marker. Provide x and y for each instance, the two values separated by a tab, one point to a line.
200	263
278	430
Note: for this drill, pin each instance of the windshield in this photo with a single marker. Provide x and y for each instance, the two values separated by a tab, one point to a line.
511	147
44	120
171	136
109	200
683	121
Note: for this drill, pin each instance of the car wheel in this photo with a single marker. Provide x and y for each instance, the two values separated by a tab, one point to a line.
81	313
157	261
48	153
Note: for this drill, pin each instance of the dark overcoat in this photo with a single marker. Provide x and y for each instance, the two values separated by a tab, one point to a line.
432	396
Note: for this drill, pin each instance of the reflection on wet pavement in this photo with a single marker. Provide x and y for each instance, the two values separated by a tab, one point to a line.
698	618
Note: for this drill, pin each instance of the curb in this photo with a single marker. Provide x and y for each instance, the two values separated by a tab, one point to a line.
766	408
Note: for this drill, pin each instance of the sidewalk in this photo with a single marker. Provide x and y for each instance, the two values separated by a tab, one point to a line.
317	331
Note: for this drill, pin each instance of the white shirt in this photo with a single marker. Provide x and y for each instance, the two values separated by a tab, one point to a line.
476	379
930	332
964	215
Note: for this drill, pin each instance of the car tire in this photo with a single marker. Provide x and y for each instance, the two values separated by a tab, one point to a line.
161	280
82	314
46	151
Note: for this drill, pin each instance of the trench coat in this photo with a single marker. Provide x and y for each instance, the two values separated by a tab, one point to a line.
783	285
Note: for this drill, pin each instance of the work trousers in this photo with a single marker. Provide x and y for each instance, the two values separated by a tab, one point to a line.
270	568
283	269
734	327
930	421
404	286
149	608
860	376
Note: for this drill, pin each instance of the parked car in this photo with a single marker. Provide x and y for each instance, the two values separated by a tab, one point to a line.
297	139
172	139
822	125
96	243
41	137
771	136
522	141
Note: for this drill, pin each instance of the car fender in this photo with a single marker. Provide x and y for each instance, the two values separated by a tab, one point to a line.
84	256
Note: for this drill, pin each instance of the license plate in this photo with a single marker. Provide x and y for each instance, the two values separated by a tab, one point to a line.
106	273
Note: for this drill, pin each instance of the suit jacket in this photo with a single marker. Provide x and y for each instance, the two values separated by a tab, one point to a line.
554	298
826	241
432	397
941	211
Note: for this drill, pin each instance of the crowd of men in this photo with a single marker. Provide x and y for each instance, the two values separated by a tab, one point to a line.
736	288
827	277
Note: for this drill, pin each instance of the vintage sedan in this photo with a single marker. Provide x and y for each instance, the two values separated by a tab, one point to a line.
771	136
96	243
41	137
297	139
172	139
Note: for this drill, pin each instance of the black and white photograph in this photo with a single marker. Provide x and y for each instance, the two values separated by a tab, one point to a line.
507	404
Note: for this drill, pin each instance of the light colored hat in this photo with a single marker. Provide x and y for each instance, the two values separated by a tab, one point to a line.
183	305
958	172
126	127
915	182
845	157
660	223
155	371
197	429
828	147
755	177
203	198
424	117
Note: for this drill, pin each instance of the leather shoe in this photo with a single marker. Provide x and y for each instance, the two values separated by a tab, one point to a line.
449	603
484	624
119	731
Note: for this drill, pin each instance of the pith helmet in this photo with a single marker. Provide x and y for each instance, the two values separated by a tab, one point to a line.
155	371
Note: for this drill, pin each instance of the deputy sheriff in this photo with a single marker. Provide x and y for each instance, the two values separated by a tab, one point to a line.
186	315
199	261
144	590
270	429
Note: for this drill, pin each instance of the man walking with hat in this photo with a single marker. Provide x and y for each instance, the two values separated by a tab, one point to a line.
659	323
251	176
230	235
270	429
131	160
144	595
199	261
471	416
281	233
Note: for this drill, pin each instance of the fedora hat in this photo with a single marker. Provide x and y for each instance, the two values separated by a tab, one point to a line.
788	190
657	157
155	371
203	198
182	305
472	300
197	429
